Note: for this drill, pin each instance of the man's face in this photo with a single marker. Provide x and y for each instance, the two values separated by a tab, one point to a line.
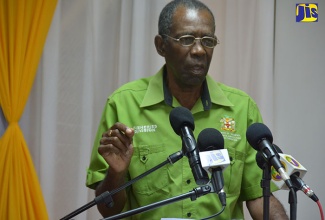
188	65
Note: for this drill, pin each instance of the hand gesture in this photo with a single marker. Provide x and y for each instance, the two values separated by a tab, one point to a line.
116	147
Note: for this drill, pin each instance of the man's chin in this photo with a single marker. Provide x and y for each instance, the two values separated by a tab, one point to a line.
192	83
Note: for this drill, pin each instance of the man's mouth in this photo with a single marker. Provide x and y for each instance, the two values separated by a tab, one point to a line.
197	69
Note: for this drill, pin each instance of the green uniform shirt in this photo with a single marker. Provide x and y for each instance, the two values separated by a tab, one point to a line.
145	105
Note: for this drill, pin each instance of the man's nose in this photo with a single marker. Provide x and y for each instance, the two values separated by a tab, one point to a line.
197	47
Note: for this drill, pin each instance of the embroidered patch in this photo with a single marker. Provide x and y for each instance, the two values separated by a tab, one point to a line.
231	136
228	124
145	128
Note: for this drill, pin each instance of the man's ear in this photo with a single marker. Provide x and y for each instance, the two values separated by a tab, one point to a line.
160	45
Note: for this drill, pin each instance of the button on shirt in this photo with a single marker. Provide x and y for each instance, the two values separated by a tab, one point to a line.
145	105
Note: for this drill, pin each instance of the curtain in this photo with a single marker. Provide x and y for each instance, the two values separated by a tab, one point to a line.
92	48
23	29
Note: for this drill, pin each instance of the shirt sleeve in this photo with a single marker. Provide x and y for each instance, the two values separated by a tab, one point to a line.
98	166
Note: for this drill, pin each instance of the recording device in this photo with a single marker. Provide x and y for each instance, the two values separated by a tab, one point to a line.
214	158
260	138
291	166
212	153
295	170
182	121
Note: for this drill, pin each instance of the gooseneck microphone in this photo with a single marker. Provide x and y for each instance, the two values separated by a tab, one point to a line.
260	138
182	121
211	139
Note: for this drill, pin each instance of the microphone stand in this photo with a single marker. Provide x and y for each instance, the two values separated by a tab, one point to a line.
293	203
194	194
106	197
265	184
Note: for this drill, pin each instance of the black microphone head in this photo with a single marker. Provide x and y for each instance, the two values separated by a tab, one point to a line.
260	160
256	133
210	139
277	149
180	117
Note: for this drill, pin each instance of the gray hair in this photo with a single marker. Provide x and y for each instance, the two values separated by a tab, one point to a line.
166	15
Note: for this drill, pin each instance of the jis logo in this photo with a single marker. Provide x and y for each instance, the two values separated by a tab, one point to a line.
307	12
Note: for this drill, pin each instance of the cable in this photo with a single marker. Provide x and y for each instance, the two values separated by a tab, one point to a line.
223	208
320	209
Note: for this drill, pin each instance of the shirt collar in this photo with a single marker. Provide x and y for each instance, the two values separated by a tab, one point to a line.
155	91
158	91
217	95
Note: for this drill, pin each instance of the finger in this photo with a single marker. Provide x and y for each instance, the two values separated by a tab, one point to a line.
121	141
108	150
129	132
118	140
104	141
107	133
125	130
115	135
112	132
106	137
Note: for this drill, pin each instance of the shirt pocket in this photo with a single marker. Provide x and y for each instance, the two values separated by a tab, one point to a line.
234	172
146	157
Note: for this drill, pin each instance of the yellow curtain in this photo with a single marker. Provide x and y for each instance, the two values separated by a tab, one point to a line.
23	29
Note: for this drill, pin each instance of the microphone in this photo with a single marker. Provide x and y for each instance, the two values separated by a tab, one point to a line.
214	158
260	138
260	160
301	185
182	121
296	171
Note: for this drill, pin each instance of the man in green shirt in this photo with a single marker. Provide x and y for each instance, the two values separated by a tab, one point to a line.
135	134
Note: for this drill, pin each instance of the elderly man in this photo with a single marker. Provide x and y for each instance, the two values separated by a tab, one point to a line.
134	133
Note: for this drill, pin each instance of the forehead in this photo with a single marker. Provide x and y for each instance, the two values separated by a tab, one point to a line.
192	21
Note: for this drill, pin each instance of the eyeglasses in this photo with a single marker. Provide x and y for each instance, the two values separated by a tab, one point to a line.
188	40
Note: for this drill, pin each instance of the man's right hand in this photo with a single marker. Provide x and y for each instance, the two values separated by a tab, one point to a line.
116	147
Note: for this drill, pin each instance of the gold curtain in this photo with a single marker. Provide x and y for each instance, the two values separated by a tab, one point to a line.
24	25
